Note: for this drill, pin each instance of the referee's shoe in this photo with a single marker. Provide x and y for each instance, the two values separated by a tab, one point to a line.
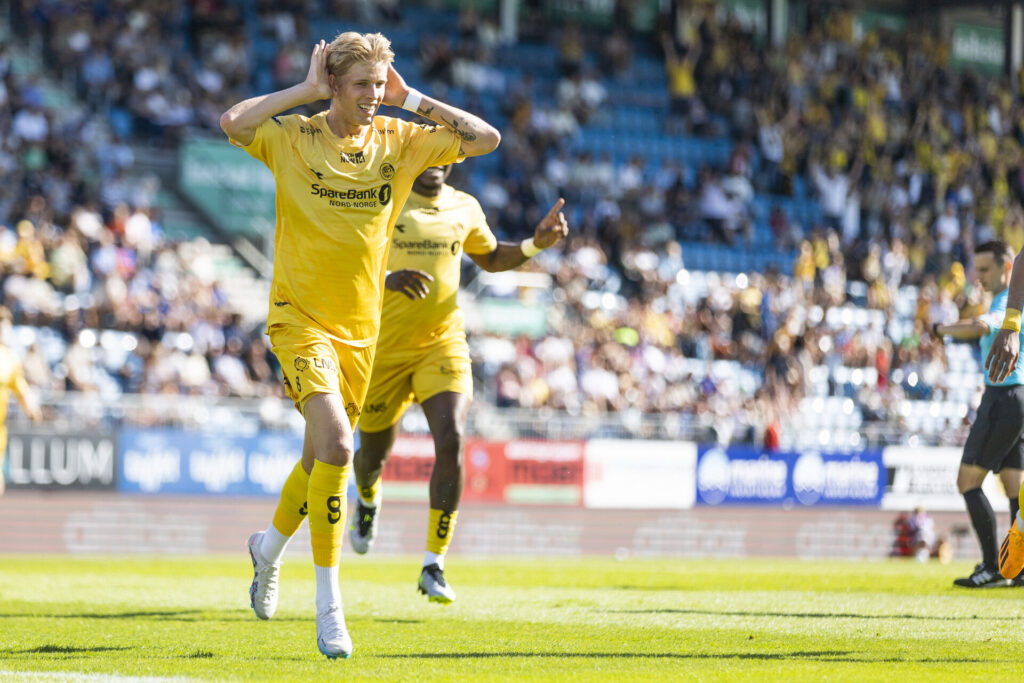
983	576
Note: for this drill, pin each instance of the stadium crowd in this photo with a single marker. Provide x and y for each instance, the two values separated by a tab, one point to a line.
910	163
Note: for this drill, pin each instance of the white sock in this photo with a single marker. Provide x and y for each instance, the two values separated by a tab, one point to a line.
433	558
327	591
273	544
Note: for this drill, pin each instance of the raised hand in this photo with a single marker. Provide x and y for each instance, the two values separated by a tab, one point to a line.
552	228
317	78
395	90
412	283
1002	357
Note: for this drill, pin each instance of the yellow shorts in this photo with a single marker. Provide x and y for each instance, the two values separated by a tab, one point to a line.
313	362
399	378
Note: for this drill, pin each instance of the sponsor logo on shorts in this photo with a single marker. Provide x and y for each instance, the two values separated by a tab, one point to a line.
387	171
301	363
378	407
351	409
324	364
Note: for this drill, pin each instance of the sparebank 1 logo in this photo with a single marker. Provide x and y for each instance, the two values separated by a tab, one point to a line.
714	476
809	478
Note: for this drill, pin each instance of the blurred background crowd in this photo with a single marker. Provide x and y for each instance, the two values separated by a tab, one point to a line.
754	228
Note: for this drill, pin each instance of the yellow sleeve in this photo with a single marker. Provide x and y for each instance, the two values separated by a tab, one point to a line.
480	239
271	140
428	146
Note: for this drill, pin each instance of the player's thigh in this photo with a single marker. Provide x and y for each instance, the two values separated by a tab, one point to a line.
446	416
444	368
309	362
389	393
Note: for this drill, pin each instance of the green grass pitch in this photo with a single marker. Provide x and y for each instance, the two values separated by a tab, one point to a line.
588	619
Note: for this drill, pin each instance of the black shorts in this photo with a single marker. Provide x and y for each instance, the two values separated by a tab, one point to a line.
995	440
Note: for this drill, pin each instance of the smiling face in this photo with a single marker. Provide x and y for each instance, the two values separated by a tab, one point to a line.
358	94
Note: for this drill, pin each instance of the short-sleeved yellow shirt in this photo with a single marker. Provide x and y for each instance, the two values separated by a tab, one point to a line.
337	201
430	235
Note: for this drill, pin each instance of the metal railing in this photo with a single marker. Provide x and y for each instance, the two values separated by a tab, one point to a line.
238	416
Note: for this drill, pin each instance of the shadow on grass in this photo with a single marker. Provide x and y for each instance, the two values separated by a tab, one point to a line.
66	650
396	621
819	656
813	615
156	615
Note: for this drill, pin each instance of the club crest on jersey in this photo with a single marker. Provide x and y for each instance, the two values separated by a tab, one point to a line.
387	171
356	158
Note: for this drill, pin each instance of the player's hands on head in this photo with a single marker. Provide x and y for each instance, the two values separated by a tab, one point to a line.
552	228
395	90
1002	357
412	283
317	78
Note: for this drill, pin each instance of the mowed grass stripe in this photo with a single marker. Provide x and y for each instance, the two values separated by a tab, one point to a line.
539	620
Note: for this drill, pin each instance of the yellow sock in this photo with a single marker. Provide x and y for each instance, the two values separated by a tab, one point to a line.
368	494
327	512
440	530
291	509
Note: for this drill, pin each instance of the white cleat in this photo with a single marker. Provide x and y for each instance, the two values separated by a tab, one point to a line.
332	636
433	585
362	530
263	591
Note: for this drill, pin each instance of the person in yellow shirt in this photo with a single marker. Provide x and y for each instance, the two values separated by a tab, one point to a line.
341	179
423	356
12	380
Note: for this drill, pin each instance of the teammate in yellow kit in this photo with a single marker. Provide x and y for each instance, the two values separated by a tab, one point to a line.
11	380
423	356
341	177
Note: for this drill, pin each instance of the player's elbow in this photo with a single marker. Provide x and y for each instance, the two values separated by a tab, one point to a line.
233	128
486	142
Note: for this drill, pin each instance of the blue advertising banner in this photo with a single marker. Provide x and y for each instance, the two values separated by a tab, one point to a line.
176	461
743	475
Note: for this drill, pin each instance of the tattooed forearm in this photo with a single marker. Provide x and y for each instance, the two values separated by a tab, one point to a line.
454	125
425	111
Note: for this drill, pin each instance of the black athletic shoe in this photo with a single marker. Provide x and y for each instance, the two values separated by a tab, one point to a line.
362	530
983	576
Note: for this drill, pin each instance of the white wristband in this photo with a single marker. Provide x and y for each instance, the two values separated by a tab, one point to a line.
412	100
529	248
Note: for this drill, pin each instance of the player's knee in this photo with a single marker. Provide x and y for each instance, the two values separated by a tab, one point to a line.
449	445
336	452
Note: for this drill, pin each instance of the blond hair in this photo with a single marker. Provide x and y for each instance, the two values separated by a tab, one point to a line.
351	47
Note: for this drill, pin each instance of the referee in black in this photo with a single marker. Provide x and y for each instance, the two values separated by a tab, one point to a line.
995	441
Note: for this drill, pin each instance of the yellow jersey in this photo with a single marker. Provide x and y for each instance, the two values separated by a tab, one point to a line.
11	378
431	234
337	200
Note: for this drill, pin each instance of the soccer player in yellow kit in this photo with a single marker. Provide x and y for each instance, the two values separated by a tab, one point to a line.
341	177
423	356
11	380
